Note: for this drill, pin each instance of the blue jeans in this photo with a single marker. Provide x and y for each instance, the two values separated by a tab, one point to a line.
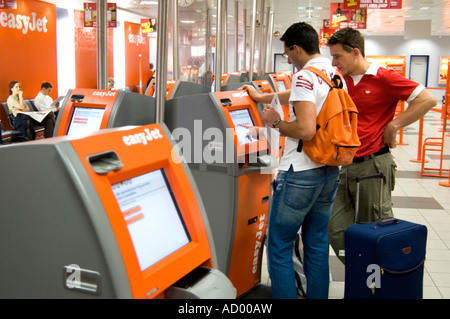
303	199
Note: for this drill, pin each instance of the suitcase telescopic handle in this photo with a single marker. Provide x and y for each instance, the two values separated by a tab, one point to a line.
358	180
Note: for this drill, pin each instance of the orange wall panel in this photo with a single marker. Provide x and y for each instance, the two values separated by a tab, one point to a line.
135	44
86	53
28	47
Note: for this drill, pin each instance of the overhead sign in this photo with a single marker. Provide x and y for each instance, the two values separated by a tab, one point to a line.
148	25
8	4
90	14
372	4
325	33
341	17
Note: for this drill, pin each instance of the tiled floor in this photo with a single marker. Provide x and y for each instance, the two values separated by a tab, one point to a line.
418	199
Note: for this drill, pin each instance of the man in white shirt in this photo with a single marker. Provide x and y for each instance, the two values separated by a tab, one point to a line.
304	190
43	103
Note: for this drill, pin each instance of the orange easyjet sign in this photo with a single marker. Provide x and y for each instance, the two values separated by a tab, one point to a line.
29	55
23	22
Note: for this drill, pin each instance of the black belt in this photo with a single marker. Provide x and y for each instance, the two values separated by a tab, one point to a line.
382	151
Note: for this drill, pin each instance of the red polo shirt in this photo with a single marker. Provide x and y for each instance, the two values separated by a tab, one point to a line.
376	96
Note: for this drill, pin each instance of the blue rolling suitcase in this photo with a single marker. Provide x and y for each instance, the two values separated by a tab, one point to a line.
384	259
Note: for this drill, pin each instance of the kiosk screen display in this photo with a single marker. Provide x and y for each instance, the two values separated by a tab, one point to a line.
153	218
281	86
85	120
242	117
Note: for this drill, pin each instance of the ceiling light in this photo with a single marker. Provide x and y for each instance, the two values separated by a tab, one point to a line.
424	8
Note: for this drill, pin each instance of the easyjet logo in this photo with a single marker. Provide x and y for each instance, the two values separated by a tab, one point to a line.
239	94
105	93
136	39
23	22
143	137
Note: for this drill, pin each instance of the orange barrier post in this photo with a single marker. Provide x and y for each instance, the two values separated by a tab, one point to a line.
141	89
419	147
436	144
447	184
400	109
446	99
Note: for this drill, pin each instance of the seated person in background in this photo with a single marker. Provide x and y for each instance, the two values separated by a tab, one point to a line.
110	83
152	74
43	103
22	122
1	136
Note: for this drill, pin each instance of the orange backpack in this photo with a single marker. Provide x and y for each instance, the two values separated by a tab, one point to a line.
336	140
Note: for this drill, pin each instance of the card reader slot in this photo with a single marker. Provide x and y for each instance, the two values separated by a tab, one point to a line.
252	220
105	162
77	98
226	102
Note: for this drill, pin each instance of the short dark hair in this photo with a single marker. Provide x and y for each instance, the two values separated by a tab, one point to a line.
46	85
349	38
303	35
11	85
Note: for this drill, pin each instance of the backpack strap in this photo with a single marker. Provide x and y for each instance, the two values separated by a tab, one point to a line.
335	82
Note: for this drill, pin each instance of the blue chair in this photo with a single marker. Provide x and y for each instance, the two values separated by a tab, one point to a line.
17	129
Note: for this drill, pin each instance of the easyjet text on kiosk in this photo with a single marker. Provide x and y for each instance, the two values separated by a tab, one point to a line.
23	22
142	138
105	93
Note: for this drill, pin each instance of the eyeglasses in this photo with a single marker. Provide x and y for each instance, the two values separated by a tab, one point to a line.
285	55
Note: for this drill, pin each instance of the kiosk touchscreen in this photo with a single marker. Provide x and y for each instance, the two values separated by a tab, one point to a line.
265	87
281	86
88	110
283	82
119	216
232	172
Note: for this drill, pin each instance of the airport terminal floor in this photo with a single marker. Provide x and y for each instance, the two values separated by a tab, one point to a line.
418	199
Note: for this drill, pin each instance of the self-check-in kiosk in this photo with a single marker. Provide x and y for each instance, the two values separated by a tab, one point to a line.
149	91
176	88
282	82
264	86
88	110
119	216
232	173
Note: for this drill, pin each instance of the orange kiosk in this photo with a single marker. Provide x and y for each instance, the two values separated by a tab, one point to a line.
88	110
282	82
176	88
150	90
264	86
119	216
233	174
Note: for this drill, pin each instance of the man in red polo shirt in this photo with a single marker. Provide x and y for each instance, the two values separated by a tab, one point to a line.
376	92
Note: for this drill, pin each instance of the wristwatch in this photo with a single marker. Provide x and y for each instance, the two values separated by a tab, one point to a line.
275	123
